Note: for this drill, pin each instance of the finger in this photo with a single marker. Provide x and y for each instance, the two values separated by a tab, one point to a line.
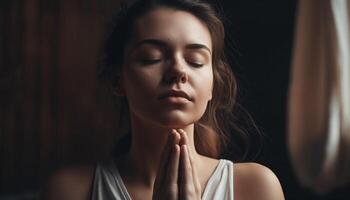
164	159
194	166
185	140
177	137
183	135
173	166
186	171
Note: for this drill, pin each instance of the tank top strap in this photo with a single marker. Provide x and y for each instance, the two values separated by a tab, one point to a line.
220	184
108	184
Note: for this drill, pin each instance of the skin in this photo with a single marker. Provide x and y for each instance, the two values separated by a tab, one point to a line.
169	49
173	43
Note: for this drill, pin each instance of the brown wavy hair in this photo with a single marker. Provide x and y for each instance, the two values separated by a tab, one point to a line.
212	132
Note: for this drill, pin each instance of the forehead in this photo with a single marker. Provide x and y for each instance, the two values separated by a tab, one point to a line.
173	26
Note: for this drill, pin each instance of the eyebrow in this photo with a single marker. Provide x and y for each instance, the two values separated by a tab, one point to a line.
163	44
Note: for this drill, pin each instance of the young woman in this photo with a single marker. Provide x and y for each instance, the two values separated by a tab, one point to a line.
165	58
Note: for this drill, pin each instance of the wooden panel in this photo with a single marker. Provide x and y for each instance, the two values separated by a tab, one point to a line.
54	112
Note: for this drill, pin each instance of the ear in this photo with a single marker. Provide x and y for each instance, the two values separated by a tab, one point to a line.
118	86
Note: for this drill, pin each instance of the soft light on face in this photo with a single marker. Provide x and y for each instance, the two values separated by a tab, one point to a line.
170	50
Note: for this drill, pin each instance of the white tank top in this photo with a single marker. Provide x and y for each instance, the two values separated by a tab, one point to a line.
108	184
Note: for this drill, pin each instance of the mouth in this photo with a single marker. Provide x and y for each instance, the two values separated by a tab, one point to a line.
175	94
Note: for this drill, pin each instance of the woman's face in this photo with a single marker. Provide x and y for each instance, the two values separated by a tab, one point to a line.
167	72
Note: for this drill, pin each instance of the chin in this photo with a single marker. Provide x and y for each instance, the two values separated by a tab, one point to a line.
175	121
175	124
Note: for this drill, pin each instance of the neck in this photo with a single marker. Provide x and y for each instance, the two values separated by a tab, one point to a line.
148	142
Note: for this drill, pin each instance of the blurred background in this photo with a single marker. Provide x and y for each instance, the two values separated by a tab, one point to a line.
54	112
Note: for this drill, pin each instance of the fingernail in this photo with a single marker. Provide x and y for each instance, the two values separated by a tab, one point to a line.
172	132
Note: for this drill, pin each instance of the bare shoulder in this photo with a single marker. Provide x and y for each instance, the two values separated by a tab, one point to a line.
255	181
69	183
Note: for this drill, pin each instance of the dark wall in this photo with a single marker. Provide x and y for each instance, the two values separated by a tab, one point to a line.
55	113
53	110
263	31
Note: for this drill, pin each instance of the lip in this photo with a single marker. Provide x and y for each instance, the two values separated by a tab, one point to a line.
175	93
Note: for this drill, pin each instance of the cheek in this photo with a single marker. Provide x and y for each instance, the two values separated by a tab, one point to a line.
205	85
139	82
140	87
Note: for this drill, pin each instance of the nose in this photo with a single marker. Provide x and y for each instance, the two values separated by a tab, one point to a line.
176	73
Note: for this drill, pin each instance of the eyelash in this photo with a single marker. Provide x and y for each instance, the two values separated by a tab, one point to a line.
154	61
196	64
149	61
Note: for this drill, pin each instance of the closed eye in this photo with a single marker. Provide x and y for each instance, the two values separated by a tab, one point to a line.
195	64
149	61
196	58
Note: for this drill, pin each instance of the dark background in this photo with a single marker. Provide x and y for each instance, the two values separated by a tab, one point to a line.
55	113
